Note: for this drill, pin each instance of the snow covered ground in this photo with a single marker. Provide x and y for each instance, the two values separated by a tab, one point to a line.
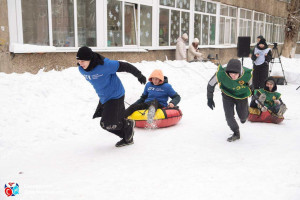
52	148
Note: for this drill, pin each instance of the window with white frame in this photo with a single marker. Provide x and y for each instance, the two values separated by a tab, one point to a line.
170	3
174	20
130	24
35	22
114	23
228	25
269	28
86	23
205	22
146	26
284	21
63	23
258	26
245	22
279	24
133	28
36	28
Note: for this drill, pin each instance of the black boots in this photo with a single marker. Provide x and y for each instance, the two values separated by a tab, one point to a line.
130	131
235	136
122	143
128	137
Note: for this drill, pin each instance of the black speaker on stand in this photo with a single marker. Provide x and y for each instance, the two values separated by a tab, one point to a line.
243	47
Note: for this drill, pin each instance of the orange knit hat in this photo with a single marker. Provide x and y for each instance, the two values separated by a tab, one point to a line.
157	73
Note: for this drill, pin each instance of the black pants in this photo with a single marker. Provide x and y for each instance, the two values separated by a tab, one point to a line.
260	75
241	109
141	106
113	120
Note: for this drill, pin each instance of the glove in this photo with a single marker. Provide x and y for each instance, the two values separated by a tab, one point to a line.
264	109
211	103
277	102
142	79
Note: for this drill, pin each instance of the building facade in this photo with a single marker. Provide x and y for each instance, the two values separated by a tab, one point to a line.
46	34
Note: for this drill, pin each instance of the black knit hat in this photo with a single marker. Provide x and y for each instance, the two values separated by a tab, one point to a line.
262	41
234	65
260	37
84	53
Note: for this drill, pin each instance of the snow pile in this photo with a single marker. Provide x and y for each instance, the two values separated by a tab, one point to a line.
52	148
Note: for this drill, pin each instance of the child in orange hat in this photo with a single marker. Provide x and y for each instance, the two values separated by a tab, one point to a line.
155	95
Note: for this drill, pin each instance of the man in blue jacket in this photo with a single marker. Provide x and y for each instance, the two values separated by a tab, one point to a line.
101	73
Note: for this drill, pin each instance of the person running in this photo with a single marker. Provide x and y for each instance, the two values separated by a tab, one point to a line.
234	84
100	72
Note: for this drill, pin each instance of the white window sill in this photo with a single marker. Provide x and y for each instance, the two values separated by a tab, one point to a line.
28	48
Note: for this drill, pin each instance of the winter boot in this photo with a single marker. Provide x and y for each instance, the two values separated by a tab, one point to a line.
122	143
282	110
130	132
152	111
235	136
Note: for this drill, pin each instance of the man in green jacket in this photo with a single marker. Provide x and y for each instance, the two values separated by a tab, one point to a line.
234	84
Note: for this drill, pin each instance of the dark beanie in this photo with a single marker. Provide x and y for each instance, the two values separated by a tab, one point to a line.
84	53
262	41
234	66
260	37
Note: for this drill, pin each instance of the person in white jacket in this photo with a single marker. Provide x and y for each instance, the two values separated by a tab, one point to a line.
181	48
193	53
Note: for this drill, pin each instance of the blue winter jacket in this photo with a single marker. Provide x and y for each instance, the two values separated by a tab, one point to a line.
159	92
105	80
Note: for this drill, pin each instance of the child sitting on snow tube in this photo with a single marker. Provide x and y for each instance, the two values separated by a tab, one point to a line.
155	95
267	100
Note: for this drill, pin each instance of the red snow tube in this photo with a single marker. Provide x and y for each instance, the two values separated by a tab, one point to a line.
164	117
255	115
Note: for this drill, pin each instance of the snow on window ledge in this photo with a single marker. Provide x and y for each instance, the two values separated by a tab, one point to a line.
29	48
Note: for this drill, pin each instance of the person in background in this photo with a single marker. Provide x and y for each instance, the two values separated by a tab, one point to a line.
261	57
181	48
257	41
259	38
234	84
101	73
193	52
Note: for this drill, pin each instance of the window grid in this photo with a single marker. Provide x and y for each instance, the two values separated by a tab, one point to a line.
205	12
228	22
258	26
272	28
174	30
245	22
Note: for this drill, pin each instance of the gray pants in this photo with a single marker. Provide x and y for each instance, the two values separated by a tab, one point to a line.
241	109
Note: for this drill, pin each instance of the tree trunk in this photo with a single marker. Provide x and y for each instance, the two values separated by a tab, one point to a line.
291	29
